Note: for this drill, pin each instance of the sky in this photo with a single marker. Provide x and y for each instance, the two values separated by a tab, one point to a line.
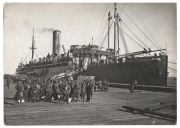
79	23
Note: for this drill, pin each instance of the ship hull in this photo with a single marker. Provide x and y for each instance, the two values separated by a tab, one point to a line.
145	72
46	70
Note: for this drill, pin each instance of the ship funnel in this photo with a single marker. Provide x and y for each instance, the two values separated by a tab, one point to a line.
56	42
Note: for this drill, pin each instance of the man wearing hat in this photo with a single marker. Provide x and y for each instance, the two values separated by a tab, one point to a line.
67	90
19	92
48	91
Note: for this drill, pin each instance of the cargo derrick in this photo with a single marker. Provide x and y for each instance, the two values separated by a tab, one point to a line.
147	69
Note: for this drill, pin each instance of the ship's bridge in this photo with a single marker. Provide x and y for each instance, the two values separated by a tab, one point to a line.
89	49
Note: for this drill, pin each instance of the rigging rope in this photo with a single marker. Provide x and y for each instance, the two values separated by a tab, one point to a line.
102	22
172	62
84	24
139	28
145	26
122	38
134	34
26	56
172	69
103	31
132	39
36	55
40	53
105	36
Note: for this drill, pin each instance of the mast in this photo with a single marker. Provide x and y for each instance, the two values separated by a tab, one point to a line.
58	46
33	45
109	17
118	33
115	29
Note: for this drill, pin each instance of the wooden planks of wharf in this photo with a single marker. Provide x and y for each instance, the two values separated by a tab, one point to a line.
105	108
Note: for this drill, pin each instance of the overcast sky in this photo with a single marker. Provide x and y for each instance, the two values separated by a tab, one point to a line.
79	23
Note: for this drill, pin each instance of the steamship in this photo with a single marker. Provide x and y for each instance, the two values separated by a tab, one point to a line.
148	67
48	66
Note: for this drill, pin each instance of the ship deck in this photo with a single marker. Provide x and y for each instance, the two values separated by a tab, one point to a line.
105	108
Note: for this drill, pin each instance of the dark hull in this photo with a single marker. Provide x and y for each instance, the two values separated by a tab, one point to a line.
146	72
46	70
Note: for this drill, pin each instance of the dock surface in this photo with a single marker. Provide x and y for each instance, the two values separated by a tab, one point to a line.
105	108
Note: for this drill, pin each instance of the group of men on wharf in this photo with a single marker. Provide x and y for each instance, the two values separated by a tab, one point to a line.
33	89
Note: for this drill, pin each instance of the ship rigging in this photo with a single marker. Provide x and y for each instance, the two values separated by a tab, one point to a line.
110	63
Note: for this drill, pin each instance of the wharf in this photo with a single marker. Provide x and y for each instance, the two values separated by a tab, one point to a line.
105	108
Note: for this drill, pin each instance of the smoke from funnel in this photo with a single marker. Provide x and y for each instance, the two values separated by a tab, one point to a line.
46	30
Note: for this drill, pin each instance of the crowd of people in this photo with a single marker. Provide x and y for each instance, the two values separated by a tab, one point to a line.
49	59
33	89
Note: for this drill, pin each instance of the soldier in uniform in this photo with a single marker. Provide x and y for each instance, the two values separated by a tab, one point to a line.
133	85
103	84
61	87
88	91
92	87
83	90
100	85
54	89
30	90
35	91
38	90
77	89
43	88
19	92
48	91
107	85
67	90
72	93
57	88
26	85
96	85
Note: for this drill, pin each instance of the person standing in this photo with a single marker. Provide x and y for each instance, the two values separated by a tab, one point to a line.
83	90
54	89
93	84
92	88
77	89
88	91
38	90
8	81
100	85
19	92
133	85
29	90
107	85
61	87
25	85
72	93
57	88
103	85
48	90
43	88
67	90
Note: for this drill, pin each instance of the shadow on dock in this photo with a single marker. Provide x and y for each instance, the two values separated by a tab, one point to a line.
8	98
8	103
147	88
143	114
